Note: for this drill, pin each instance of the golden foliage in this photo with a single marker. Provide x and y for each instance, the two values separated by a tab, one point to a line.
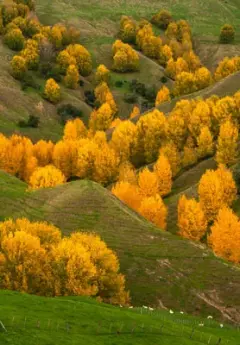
154	210
225	235
47	176
19	67
192	223
127	173
226	67
227	145
101	119
170	151
135	112
74	130
125	58
102	74
148	183
205	143
43	151
72	77
216	189
35	259
163	96
128	193
52	91
163	172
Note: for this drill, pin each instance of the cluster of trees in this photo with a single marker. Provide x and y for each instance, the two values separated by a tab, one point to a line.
52	50
125	58
35	258
217	191
144	191
226	67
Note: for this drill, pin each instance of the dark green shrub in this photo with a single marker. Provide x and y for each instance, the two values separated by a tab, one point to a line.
227	34
130	98
33	121
68	111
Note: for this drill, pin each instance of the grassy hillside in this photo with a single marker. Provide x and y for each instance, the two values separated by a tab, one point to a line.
73	321
161	269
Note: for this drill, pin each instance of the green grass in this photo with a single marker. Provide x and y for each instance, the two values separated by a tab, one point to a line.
205	17
79	321
160	268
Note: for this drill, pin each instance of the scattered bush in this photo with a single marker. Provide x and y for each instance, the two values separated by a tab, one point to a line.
227	34
29	81
162	19
68	111
119	83
90	97
14	39
33	121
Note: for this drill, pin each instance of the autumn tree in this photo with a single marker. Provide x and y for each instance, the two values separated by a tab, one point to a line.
128	30
103	95
72	77
43	151
162	19
225	109
74	130
152	130
47	176
82	57
163	96
165	55
127	173
19	67
128	193
163	172
148	183
192	223
227	144
14	39
101	119
190	156
205	143
227	34
135	112
225	235
31	54
151	47
125	58
65	157
226	67
170	151
102	74
52	91
216	189
153	209
203	78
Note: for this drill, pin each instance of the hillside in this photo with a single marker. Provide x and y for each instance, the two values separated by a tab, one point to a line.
80	320
161	269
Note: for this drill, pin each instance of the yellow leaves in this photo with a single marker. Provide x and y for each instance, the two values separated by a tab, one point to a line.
52	91
77	55
47	176
187	82
124	132
72	77
225	109
127	30
31	54
165	55
102	74
125	58
19	67
192	223
65	157
163	96
148	183
74	130
205	143
170	151
128	193
154	210
104	95
101	119
34	258
225	235
43	151
163	172
203	78
227	144
127	173
135	112
226	67
216	189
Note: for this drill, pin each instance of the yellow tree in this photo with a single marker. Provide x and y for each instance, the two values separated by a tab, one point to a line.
128	193
163	96
205	143
154	210
102	74
152	131
148	183
135	112
190	156
65	157
127	173
104	95
225	235
123	139
227	145
216	189
86	155
203	78
165	55
224	109
82	57
74	130
19	67
163	172
43	151
177	129
52	91
192	223
48	176
171	152
101	119
106	164
72	77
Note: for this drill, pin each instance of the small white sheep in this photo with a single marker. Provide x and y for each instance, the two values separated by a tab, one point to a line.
171	311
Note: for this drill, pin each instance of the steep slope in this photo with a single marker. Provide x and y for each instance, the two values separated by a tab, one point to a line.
72	321
161	269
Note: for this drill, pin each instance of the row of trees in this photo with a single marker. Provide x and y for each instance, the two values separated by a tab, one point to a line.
217	191
35	258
